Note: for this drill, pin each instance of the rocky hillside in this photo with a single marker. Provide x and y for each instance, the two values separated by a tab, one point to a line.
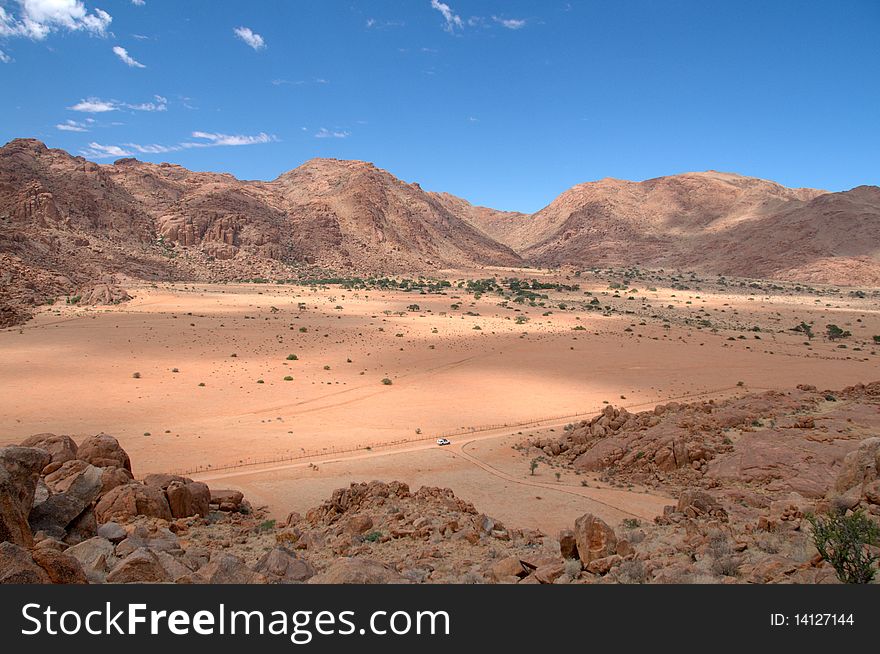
748	472
710	222
67	224
71	227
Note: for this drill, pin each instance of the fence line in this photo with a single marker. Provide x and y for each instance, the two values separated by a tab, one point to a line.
328	451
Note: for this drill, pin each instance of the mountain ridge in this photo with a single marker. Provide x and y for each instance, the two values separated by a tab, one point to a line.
67	224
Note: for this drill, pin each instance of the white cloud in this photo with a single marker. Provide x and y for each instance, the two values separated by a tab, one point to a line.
39	18
126	58
374	23
93	106
510	23
453	20
98	151
205	140
159	103
139	3
5	58
98	106
229	139
325	133
72	126
250	37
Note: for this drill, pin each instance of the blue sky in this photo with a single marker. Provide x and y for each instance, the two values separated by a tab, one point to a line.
505	103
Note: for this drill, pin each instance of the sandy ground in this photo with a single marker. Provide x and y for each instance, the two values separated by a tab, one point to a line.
201	350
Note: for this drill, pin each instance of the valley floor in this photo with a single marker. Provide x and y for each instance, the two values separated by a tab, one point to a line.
194	378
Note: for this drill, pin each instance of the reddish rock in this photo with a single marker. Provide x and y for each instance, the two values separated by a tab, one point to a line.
103	451
358	571
17	566
59	566
568	544
19	472
60	448
595	539
131	500
141	566
281	566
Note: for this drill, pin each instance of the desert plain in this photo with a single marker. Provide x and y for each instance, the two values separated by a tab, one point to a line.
287	391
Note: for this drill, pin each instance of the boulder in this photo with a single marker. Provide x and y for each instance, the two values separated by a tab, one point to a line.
17	566
19	471
595	539
603	565
697	503
131	500
103	451
871	492
96	556
164	480
59	566
141	566
201	498
227	500
358	524
549	573
358	571
568	544
73	487
859	467
113	477
112	531
188	498
281	566
60	448
156	540
225	568
85	526
508	567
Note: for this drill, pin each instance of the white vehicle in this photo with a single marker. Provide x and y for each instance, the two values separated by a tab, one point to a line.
444	441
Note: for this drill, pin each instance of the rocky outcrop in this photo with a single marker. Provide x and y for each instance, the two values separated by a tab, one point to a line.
358	571
60	448
73	488
131	500
19	473
282	566
103	451
595	539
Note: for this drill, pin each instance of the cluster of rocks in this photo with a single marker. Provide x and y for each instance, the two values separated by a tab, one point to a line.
72	513
764	463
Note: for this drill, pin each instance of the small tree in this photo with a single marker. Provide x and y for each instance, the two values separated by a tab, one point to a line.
834	332
558	476
843	541
806	329
533	465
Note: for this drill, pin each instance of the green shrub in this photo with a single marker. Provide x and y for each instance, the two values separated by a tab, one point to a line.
386	381
843	541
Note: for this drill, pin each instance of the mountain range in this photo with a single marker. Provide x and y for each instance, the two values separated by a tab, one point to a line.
71	226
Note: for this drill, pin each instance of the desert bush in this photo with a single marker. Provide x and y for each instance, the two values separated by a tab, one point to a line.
136	375
834	332
724	561
573	567
386	381
292	357
266	525
844	540
631	572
